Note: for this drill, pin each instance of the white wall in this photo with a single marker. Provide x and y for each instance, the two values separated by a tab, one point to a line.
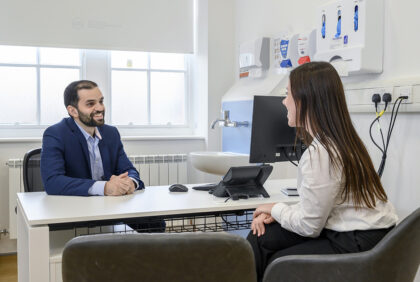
270	17
221	62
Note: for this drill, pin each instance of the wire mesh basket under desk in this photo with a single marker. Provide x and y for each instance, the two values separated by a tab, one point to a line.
204	222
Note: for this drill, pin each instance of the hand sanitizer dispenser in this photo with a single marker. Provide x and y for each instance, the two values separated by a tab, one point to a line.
306	46
254	57
286	51
350	36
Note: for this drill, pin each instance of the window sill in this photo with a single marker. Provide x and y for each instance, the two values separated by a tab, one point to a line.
160	138
21	140
123	138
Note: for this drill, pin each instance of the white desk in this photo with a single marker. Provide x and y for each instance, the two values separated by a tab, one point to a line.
37	210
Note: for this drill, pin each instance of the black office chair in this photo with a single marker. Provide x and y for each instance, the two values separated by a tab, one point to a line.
395	258
32	181
195	257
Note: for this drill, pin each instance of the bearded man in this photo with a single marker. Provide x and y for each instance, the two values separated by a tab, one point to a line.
81	155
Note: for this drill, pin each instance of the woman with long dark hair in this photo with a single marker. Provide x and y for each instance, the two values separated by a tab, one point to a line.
343	207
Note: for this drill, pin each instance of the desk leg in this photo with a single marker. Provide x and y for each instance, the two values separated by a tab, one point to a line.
33	250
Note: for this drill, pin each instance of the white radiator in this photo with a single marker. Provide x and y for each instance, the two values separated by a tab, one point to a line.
154	170
161	169
15	186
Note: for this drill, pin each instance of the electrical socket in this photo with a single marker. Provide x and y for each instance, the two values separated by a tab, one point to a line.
381	91
404	91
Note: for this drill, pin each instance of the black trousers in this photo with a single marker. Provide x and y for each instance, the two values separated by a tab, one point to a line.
278	242
147	225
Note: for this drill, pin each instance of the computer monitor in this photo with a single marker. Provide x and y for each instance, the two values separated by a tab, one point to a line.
272	139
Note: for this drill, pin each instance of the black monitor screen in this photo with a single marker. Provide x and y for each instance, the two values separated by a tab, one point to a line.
272	139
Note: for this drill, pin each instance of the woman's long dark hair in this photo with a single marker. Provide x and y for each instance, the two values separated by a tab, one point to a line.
321	107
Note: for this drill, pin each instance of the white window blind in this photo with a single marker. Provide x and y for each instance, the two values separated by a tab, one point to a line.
138	25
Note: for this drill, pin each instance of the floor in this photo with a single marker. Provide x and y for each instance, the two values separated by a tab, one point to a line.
8	268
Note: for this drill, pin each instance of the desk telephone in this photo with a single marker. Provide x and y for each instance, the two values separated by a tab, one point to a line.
241	182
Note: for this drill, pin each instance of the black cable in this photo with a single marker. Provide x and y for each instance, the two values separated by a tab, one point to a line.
386	98
382	134
396	114
287	156
376	98
392	114
390	129
391	122
370	133
392	117
229	223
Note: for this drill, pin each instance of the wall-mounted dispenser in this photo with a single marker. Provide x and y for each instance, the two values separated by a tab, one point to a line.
254	57
285	51
350	36
306	46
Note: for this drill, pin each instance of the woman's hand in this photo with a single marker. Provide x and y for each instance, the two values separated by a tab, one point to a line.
257	225
263	209
262	216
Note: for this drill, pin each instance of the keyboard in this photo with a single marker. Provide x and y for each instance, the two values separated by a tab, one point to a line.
207	187
246	191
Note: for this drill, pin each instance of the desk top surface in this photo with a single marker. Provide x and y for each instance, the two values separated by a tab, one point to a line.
40	208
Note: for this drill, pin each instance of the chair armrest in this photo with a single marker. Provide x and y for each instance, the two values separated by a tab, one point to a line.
322	268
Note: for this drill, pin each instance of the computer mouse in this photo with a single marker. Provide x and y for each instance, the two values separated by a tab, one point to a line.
178	188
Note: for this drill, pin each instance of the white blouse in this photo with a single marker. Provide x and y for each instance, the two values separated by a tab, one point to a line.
320	206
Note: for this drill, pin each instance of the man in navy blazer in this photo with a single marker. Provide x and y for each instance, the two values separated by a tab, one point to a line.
83	156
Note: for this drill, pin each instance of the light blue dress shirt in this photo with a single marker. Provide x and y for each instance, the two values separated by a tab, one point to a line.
96	166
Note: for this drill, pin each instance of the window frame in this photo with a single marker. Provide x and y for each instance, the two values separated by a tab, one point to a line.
37	65
96	72
149	71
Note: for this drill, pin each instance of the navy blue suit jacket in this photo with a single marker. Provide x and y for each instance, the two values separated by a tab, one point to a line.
65	163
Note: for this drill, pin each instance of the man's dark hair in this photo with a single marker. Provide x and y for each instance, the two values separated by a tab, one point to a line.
70	93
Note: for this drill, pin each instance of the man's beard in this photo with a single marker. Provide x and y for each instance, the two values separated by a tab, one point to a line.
88	120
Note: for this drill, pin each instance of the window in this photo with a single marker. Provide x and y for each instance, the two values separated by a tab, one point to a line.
148	89
32	83
145	93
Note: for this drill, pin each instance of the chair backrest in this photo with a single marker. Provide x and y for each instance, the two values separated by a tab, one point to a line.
395	258
32	181
158	257
397	255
